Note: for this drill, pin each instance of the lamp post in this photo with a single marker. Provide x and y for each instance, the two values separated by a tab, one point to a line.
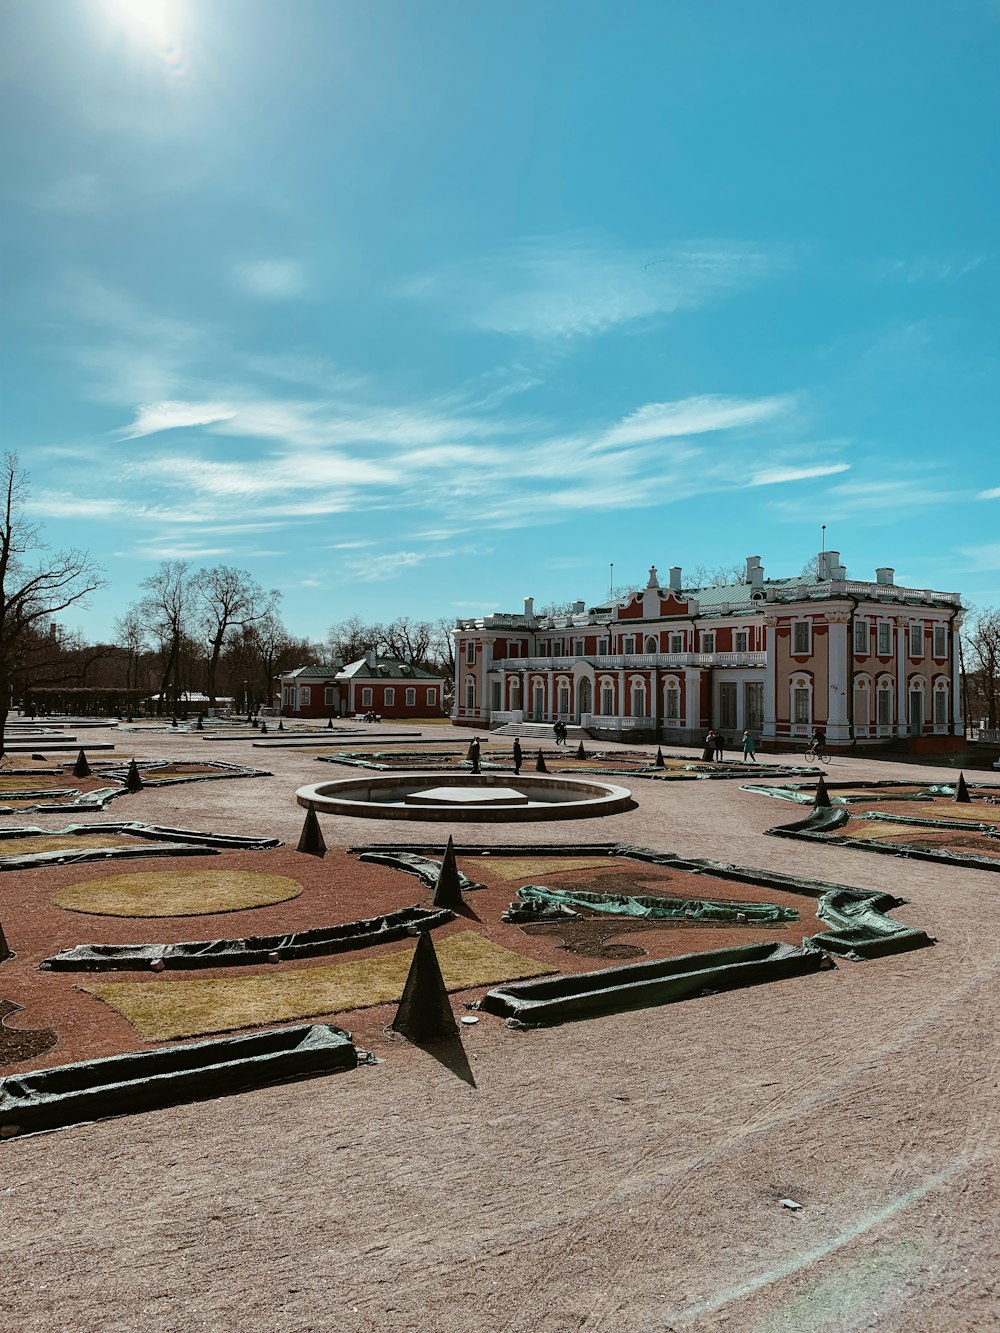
246	699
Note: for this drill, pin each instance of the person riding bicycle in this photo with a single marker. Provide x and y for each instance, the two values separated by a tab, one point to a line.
817	741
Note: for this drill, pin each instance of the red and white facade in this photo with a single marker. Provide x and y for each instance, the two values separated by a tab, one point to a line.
867	662
373	684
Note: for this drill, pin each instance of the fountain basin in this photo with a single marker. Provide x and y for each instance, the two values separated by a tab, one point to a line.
464	797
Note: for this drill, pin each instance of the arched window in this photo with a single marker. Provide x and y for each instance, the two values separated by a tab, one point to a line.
883	704
563	696
470	692
800	702
941	702
672	699
637	698
862	705
607	698
650	645
515	692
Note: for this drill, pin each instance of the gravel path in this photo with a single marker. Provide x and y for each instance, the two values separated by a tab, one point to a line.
619	1174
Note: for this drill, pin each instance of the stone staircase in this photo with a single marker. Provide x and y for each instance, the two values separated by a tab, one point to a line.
540	731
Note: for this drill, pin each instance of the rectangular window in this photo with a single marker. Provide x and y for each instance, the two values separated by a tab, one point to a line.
941	708
470	652
884	638
305	696
513	650
916	638
432	697
366	697
602	646
708	641
673	703
677	643
800	706
861	637
741	641
884	708
330	696
802	638
629	644
577	647
411	698
940	640
388	697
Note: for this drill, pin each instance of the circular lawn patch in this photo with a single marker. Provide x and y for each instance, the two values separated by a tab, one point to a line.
177	893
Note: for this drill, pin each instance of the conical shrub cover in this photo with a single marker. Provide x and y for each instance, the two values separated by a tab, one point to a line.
281	725
329	723
263	728
540	763
311	838
962	791
81	769
424	1012
133	782
822	795
448	890
199	725
4	948
658	761
581	753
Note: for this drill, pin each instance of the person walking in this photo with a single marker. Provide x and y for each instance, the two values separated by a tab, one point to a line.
474	753
518	757
720	746
708	753
749	748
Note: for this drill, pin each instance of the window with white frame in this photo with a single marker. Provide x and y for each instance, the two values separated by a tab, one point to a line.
941	705
741	641
577	647
638	698
672	710
916	638
884	695
801	638
676	643
330	696
708	641
388	697
801	711
366	697
305	696
602	645
861	637
607	699
562	695
411	697
432	696
940	640
470	652
884	638
470	694
513	650
628	644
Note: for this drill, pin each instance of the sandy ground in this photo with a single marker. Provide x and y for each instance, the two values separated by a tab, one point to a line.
619	1174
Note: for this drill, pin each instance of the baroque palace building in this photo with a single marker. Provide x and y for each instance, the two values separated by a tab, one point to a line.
868	662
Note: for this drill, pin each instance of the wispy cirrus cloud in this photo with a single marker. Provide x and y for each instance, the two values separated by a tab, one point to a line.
696	416
151	418
992	494
934	268
777	476
271	279
579	285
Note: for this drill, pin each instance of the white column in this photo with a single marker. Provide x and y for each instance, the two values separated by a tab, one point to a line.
484	695
692	699
956	682
621	693
525	696
837	726
901	700
770	675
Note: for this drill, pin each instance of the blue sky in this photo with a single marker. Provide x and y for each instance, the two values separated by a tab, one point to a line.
420	308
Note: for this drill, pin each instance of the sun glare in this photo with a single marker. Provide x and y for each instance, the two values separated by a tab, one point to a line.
152	24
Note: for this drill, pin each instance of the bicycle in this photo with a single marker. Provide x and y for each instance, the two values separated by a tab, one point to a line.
817	750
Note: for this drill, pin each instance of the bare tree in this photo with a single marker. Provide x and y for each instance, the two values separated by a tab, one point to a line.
409	639
351	638
131	635
981	639
166	611
32	591
227	599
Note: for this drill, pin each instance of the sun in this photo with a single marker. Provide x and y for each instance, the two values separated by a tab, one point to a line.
152	21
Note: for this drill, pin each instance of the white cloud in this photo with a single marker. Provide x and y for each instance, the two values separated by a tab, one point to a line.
777	475
377	568
694	416
577	285
153	417
272	279
992	494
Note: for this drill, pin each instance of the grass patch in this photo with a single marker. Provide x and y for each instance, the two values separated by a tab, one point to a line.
180	770
67	843
161	1010
880	831
524	868
177	893
30	782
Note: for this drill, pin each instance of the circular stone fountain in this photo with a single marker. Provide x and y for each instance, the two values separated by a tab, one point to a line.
472	798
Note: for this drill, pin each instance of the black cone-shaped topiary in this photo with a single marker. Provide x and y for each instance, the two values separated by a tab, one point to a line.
424	1012
311	838
448	890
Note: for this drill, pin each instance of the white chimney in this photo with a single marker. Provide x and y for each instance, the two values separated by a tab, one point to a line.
885	574
529	607
755	572
675	578
579	608
369	657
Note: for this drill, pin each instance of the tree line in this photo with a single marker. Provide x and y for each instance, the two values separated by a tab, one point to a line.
212	631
